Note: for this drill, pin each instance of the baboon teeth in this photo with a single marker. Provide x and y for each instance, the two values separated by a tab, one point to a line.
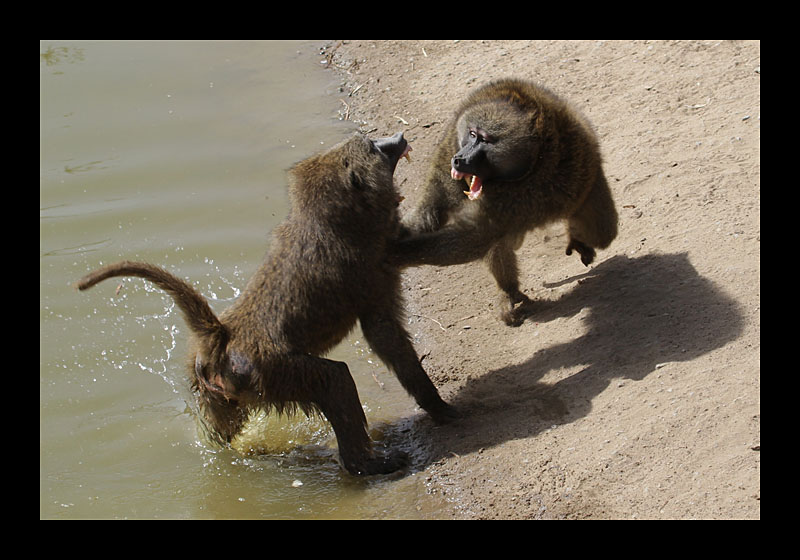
407	154
475	186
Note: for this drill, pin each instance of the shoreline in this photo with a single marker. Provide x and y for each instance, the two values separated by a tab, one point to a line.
635	393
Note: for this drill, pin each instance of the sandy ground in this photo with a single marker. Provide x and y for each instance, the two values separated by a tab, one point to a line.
634	392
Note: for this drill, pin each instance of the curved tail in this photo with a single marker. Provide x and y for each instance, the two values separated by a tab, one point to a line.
199	316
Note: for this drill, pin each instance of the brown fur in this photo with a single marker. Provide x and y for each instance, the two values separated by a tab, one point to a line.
325	270
540	162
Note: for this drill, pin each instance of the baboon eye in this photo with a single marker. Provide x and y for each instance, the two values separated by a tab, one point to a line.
481	135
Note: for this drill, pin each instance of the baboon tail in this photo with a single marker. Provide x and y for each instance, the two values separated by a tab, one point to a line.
199	316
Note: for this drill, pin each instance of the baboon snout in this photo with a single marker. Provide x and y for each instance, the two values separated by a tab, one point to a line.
394	147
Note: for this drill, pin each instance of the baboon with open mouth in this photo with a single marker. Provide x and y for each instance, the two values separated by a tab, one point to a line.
528	159
326	269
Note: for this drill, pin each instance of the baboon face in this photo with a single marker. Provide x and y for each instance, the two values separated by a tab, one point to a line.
497	142
353	176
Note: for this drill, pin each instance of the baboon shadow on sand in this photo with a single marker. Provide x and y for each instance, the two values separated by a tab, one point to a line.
639	312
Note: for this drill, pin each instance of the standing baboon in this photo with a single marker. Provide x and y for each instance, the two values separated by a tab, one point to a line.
325	269
528	159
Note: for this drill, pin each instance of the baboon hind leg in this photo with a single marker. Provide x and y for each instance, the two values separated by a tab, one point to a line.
594	223
328	386
514	306
391	342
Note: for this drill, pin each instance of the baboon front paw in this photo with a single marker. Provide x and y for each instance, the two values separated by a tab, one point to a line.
444	413
513	318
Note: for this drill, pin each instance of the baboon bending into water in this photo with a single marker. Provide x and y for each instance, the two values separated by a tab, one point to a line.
528	159
325	269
